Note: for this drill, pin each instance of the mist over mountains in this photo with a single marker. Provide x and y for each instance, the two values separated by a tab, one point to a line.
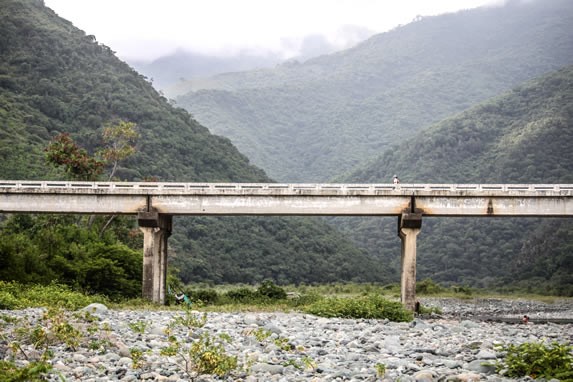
313	121
169	71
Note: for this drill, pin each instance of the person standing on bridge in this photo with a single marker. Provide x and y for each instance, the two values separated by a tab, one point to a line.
396	180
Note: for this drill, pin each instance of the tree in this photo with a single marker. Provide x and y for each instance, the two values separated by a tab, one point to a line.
120	140
78	165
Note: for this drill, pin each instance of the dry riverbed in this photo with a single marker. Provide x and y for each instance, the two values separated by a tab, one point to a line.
457	345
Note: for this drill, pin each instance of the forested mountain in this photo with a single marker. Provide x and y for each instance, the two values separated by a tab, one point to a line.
523	136
54	79
315	120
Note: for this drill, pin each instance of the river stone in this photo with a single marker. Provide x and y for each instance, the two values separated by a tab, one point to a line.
272	328
340	349
424	376
481	366
464	377
95	308
419	324
392	344
452	364
267	368
466	324
485	354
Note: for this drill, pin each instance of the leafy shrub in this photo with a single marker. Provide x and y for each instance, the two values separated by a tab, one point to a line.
391	289
372	306
242	295
138	326
32	372
206	354
14	295
428	286
35	341
205	296
380	370
429	310
537	360
304	299
7	299
271	291
462	289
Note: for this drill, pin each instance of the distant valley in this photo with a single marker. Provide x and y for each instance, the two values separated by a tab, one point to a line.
315	120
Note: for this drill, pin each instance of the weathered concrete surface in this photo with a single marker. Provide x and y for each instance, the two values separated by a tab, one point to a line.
285	199
156	230
409	225
72	203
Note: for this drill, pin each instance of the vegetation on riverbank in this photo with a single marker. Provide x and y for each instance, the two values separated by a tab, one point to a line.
263	297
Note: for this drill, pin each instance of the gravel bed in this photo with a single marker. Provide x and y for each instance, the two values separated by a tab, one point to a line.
454	346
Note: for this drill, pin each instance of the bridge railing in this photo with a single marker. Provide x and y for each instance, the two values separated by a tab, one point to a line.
222	188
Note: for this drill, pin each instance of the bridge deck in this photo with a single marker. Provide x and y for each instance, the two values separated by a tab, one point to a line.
287	199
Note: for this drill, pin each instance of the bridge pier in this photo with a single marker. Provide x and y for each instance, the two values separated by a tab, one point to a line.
156	230
409	226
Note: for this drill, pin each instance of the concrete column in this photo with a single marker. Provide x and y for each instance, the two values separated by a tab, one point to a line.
409	227
156	230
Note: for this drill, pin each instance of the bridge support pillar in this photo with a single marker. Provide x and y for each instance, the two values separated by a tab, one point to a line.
409	226
156	230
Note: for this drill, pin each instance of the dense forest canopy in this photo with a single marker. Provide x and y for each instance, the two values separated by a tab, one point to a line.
523	136
312	121
56	79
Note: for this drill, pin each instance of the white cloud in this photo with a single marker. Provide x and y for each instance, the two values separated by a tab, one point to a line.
146	28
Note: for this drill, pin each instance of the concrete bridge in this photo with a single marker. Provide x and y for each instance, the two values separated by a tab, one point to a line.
154	204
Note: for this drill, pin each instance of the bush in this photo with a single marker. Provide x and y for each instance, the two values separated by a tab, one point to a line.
206	354
372	306
428	286
266	292
32	372
462	289
271	291
242	295
205	296
7	300
14	295
537	360
304	299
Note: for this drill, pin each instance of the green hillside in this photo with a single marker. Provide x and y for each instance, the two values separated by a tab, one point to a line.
55	79
313	121
524	136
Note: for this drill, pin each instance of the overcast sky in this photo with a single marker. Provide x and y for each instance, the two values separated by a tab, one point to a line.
146	29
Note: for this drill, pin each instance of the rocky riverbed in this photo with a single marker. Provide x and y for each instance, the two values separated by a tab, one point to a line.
457	345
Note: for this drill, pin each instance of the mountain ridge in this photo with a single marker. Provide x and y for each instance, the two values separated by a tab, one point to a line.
383	90
522	136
